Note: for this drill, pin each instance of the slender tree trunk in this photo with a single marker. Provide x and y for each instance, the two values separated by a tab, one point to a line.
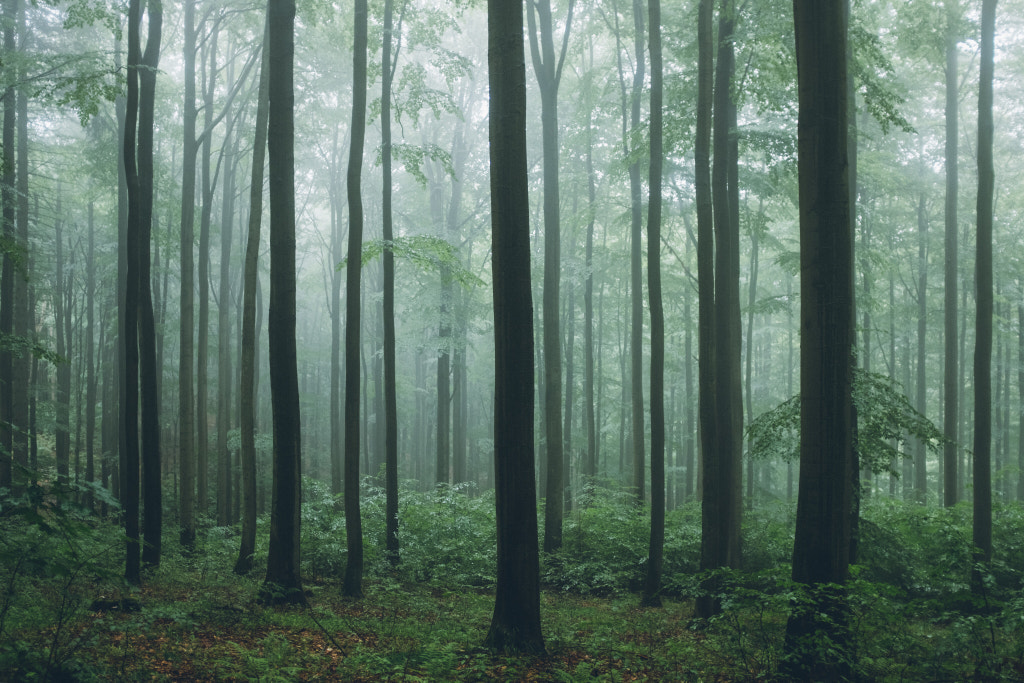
249	356
90	349
7	196
652	585
148	371
353	525
982	527
636	324
390	389
129	304
951	386
920	460
22	313
224	412
186	348
549	73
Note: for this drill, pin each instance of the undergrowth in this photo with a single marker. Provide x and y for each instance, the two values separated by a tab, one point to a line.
65	613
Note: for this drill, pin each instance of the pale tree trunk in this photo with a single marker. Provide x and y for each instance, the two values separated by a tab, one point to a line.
951	386
920	461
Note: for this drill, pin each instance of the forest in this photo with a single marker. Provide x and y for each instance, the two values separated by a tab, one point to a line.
429	340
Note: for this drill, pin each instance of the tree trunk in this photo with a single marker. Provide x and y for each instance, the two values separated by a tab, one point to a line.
515	624
283	583
920	460
148	371
822	544
982	526
951	386
186	348
652	585
636	324
247	362
548	72
353	525
390	390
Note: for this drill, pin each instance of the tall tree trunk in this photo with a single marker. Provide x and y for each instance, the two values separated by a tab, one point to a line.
982	526
652	585
636	323
7	197
353	526
711	538
186	347
589	410
249	357
22	314
91	349
920	460
337	251
224	405
822	544
950	382
148	371
548	69
283	582
129	304
390	389
515	624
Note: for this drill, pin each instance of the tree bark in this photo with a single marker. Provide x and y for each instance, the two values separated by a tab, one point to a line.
822	544
982	526
247	361
515	624
950	382
652	585
283	582
353	525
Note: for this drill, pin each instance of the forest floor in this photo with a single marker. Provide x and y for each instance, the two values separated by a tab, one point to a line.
407	632
67	615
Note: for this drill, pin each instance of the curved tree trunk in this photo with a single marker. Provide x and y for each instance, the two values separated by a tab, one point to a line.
353	525
247	362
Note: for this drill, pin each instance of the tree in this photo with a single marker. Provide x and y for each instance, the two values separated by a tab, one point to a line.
390	390
353	525
950	380
247	362
148	371
982	528
283	582
515	624
548	70
652	585
822	543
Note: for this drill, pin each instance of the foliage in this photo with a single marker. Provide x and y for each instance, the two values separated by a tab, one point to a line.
885	420
426	251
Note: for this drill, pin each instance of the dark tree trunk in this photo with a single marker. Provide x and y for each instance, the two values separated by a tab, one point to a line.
283	582
353	525
822	545
247	361
515	624
148	370
982	527
7	196
22	313
548	69
652	585
129	445
224	374
186	348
